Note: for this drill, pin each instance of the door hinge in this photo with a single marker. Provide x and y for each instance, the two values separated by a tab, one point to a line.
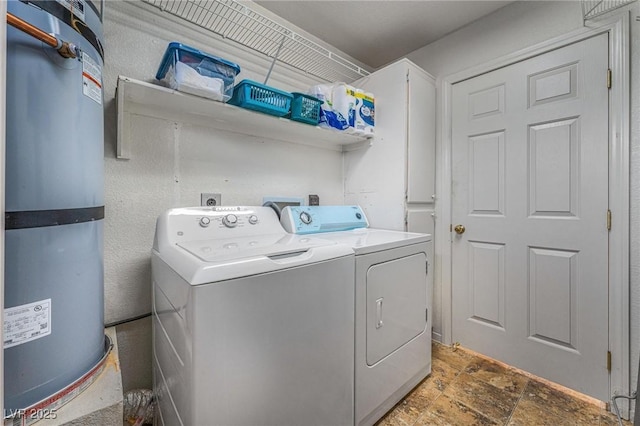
609	78
407	75
427	267
608	220
426	315
609	361
451	227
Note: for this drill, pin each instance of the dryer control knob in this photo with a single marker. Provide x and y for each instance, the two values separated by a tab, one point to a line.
305	218
205	221
230	220
253	219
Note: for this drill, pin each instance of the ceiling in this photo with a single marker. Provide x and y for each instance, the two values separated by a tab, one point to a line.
377	32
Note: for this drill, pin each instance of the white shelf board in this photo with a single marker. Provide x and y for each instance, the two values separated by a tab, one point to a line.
139	97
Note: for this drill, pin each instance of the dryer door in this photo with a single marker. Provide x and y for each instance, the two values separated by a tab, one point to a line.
396	304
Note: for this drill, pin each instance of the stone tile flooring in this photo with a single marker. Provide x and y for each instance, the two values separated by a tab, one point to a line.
465	390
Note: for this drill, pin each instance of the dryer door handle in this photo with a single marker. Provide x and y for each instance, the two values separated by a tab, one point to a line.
379	322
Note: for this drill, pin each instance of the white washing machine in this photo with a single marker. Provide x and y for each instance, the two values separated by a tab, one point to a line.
251	325
393	303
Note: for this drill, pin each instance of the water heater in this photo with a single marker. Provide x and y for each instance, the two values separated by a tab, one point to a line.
53	318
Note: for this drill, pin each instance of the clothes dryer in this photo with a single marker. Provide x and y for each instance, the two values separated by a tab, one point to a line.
393	287
251	325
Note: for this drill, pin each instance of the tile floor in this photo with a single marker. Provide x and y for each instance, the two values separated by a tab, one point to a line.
464	389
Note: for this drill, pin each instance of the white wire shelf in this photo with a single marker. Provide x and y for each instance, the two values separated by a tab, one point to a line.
594	8
238	22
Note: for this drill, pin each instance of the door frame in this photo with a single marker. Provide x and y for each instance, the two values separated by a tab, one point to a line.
618	28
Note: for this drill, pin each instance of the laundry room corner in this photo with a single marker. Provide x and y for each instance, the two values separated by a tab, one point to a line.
175	159
254	212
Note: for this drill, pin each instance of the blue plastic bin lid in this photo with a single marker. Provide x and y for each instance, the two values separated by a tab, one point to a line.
174	45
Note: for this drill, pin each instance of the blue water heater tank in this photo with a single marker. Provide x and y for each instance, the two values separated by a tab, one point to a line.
53	323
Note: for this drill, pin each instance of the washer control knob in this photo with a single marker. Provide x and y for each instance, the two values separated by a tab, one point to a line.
253	219
305	218
205	221
230	220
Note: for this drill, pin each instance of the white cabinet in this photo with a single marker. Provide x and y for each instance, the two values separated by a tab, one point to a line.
393	179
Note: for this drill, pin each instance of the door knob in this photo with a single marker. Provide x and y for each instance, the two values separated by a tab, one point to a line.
459	229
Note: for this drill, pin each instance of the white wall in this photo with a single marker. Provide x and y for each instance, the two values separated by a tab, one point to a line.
634	274
172	162
512	28
3	75
521	25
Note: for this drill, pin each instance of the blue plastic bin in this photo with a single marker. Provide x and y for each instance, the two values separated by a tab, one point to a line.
259	97
305	108
214	79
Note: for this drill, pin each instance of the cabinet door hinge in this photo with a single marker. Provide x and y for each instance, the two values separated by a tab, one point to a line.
609	78
609	361
608	220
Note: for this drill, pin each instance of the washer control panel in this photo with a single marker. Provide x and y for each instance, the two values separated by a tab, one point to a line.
314	219
203	223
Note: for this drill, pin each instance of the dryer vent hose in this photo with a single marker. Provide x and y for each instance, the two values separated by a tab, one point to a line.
139	405
274	206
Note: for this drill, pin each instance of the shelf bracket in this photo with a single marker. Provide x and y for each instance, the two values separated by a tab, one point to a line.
123	150
275	59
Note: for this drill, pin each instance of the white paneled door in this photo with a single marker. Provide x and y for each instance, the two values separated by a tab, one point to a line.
530	193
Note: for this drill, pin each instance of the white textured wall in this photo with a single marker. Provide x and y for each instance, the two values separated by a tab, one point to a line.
512	28
172	163
635	196
521	25
3	82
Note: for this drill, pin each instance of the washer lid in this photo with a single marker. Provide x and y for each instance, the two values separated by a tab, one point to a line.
367	240
272	246
209	261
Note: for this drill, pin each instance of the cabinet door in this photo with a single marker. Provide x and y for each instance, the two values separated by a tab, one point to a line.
375	174
421	138
419	220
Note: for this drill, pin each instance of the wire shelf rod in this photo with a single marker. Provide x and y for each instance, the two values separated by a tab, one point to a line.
238	22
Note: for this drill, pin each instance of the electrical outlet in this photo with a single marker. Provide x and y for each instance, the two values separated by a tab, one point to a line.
210	199
314	200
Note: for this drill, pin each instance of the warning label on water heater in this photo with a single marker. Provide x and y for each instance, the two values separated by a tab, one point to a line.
25	323
91	78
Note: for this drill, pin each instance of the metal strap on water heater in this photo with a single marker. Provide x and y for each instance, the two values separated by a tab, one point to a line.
41	218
